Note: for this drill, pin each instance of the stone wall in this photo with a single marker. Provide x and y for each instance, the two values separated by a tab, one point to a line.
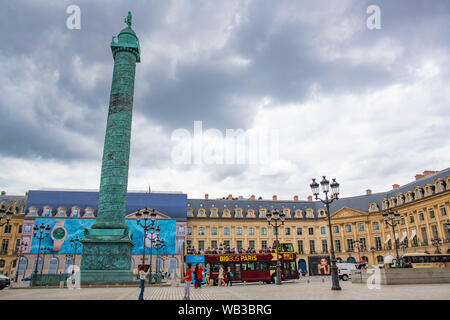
405	276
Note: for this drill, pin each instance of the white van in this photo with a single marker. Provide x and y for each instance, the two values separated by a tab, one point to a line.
345	270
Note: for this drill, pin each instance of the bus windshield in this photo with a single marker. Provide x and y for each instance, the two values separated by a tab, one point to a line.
287	247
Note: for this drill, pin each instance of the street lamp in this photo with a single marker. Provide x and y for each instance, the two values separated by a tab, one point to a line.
44	251
437	242
75	243
23	247
147	219
7	215
41	232
357	245
278	221
335	192
392	218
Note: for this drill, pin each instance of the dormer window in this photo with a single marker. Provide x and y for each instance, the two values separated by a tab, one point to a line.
61	211
262	213
298	213
47	212
238	213
75	212
189	212
309	213
214	212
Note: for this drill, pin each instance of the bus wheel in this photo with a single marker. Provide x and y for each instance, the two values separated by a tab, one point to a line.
345	277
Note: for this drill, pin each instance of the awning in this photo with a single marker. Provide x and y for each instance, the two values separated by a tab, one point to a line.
388	237
404	235
413	234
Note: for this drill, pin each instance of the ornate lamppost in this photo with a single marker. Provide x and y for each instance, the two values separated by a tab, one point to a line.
278	221
75	243
392	218
335	192
44	251
146	219
40	233
357	245
6	215
160	245
437	243
23	247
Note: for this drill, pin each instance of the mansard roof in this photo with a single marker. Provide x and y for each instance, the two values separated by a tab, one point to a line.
171	204
360	203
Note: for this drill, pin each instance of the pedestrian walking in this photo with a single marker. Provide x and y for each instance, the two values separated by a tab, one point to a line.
195	276
229	275
220	277
142	277
199	276
207	275
187	286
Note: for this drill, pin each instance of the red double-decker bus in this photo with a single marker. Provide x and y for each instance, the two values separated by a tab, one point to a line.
252	267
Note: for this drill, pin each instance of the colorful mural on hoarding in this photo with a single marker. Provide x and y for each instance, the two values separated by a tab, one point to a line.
62	230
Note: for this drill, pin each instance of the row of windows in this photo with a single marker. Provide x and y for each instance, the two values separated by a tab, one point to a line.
418	193
8	229
238	213
351	245
251	231
74	212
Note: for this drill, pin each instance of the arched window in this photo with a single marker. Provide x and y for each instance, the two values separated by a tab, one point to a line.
47	212
173	262
23	265
53	265
68	264
287	212
75	212
238	213
160	265
365	259
380	260
351	260
39	264
298	213
339	260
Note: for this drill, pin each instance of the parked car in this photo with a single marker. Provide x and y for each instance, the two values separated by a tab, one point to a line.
345	270
4	282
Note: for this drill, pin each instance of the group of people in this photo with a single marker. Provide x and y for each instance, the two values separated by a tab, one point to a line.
192	250
196	274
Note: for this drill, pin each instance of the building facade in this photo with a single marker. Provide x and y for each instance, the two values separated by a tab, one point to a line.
11	233
359	230
73	211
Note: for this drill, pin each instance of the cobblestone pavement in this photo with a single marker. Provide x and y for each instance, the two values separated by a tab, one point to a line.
297	290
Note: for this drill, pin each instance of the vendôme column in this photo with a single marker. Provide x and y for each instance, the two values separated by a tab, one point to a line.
107	245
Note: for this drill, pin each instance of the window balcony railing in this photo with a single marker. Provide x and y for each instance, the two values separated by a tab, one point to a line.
312	251
301	252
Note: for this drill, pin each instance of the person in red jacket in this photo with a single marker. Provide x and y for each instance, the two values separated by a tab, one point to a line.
199	276
188	280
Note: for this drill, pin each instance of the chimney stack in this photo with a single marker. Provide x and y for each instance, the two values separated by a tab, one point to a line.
230	197
428	172
295	198
252	197
309	198
368	192
206	196
274	197
419	176
3	193
395	186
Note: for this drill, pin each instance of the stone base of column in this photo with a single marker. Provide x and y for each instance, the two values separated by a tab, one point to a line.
106	256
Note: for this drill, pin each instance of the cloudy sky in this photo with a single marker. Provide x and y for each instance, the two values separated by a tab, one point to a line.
368	107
